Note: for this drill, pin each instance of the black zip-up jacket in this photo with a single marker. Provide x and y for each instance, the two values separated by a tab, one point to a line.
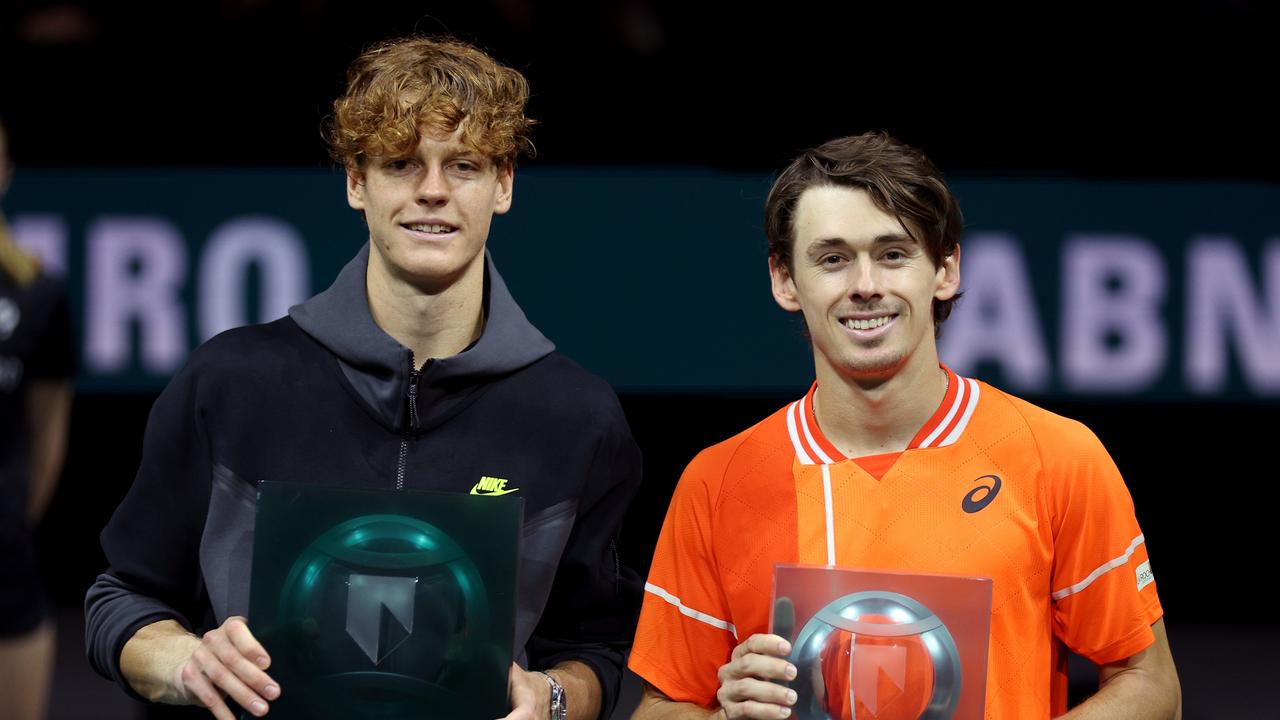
325	396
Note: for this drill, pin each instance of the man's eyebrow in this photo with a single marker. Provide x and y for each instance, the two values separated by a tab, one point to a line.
894	237
460	149
827	243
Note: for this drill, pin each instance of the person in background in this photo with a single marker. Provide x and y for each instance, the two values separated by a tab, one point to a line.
37	363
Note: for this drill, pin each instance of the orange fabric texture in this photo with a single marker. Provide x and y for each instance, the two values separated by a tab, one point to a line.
1057	536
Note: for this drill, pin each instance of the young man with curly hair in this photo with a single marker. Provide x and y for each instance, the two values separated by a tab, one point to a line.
415	370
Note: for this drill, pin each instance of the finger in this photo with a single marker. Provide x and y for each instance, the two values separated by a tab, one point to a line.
759	711
203	692
759	691
240	636
763	644
758	666
232	656
227	681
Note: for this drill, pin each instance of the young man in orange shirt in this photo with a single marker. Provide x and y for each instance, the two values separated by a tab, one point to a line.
892	461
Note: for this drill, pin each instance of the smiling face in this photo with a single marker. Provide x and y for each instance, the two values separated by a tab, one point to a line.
865	286
429	212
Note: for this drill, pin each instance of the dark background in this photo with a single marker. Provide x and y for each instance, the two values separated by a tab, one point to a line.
1145	91
1128	90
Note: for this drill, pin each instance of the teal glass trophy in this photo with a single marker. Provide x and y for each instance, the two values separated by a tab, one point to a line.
385	604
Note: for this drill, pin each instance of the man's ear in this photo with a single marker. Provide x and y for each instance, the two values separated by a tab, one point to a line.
948	277
355	189
506	185
783	285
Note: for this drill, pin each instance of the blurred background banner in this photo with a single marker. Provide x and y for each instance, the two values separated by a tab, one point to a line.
655	278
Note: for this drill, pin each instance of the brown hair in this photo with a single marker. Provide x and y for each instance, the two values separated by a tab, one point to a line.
399	85
899	179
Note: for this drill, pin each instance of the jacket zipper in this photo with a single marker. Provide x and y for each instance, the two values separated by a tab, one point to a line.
617	567
413	422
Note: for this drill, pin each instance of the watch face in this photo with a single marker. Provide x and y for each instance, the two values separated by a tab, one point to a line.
559	708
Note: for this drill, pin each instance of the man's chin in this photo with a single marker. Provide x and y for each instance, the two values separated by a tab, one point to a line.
872	369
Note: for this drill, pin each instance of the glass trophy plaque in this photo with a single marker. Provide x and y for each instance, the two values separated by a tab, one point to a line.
385	604
883	645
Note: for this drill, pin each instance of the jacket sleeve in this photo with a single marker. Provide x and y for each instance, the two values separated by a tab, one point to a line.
591	613
152	541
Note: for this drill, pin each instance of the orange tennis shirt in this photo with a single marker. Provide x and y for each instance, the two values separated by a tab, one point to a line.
1057	536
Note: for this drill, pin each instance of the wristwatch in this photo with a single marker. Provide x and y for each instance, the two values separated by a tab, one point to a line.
559	705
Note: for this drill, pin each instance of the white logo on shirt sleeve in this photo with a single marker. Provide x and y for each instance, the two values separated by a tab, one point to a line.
1145	577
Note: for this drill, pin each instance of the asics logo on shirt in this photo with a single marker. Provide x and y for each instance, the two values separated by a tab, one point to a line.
981	496
492	486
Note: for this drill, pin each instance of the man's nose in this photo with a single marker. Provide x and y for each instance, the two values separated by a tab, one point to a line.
864	280
433	189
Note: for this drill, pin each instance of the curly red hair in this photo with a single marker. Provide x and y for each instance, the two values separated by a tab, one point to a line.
398	87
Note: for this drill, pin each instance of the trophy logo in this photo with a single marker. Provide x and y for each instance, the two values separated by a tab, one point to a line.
380	613
879	678
874	654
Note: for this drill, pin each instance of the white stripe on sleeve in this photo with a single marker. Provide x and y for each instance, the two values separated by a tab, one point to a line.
690	612
1102	570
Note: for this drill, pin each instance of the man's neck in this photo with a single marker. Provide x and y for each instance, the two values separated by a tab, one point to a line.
864	417
432	324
